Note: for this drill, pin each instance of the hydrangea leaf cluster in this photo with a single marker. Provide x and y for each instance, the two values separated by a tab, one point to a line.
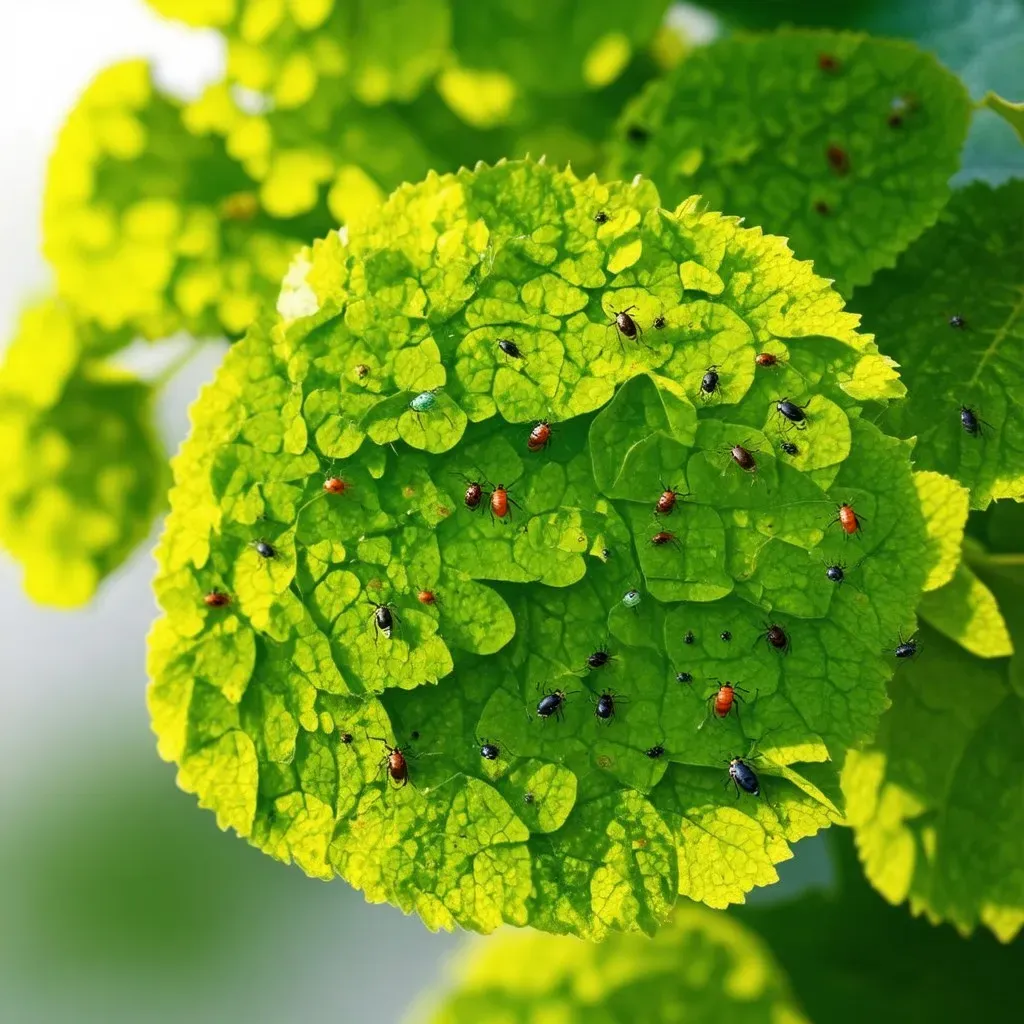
497	378
149	227
701	966
952	314
842	142
83	472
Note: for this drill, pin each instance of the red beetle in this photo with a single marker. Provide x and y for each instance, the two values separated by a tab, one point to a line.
540	436
216	599
847	519
335	485
766	359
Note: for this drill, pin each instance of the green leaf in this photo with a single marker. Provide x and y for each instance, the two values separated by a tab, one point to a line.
967	267
944	504
150	227
1011	113
81	469
852	957
850	162
966	611
701	966
464	569
939	791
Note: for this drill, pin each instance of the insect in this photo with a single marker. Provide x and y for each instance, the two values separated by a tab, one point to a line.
775	636
362	371
604	706
838	159
906	648
216	599
828	63
552	703
689	638
789	448
822	208
528	798
394	759
956	320
489	751
510	348
847	519
663	537
742	776
264	548
659	323
709	382
655	752
346	738
667	501
601	217
383	620
625	325
684	677
424	401
335	485
791	411
540	436
631	598
426	597
766	359
501	504
474	494
724	699
743	458
836	572
605	554
637	133
414	735
725	635
972	422
599	658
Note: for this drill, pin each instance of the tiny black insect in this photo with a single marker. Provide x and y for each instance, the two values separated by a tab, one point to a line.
684	677
726	635
789	448
604	706
637	133
510	348
689	638
836	572
414	735
972	422
956	320
346	738
601	217
599	658
489	751
264	549
605	554
659	323
709	382
906	648
528	798
552	704
655	752
791	411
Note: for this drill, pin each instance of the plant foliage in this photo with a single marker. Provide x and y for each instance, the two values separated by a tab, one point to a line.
271	706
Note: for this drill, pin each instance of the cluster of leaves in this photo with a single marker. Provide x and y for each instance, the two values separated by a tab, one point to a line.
842	956
384	372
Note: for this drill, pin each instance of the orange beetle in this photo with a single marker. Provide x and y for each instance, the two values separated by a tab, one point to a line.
426	597
847	519
335	485
216	599
501	503
724	699
667	502
766	359
540	436
394	759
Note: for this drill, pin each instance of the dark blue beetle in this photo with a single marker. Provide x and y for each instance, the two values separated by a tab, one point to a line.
791	411
264	549
743	777
551	704
604	706
836	572
489	751
510	348
971	421
709	382
684	677
906	648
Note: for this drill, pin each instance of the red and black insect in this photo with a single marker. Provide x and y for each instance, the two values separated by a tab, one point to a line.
216	599
625	325
838	159
822	208
828	63
663	537
335	485
362	371
474	494
667	501
766	359
848	519
775	637
501	504
724	699
540	436
395	761
426	597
